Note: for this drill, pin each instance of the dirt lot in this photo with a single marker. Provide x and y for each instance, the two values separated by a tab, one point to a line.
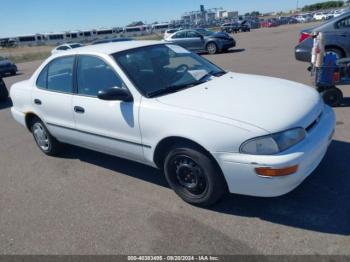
89	203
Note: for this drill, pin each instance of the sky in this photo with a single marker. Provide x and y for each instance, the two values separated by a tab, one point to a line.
20	17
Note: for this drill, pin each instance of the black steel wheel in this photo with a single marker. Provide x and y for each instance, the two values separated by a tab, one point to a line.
194	176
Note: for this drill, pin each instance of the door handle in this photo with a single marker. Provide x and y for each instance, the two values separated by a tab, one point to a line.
37	101
79	110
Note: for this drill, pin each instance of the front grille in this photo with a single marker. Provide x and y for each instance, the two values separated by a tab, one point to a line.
314	123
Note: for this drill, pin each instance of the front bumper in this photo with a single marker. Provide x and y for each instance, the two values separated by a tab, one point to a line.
239	169
227	44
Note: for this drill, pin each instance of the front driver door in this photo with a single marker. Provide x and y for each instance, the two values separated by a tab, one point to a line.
194	41
111	127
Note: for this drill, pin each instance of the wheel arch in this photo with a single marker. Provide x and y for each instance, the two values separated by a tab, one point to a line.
332	46
29	117
165	145
211	41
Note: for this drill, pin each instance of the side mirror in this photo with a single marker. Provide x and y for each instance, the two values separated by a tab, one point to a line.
115	94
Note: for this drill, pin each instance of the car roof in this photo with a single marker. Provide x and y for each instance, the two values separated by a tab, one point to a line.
109	48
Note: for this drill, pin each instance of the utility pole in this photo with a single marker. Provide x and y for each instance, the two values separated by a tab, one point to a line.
297	5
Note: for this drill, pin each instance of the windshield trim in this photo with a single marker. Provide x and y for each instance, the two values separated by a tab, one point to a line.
114	56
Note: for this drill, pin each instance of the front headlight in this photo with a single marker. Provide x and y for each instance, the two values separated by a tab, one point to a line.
273	144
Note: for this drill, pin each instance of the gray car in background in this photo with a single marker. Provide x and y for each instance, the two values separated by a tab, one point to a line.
202	40
337	38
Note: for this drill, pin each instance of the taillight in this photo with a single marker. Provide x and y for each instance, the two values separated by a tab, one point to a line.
304	36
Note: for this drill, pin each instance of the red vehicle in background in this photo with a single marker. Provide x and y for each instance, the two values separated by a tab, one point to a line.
269	23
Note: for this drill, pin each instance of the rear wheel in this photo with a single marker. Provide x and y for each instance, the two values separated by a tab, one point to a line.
212	48
332	96
45	141
194	176
337	52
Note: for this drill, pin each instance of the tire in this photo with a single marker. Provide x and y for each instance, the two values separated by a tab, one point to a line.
194	176
212	48
13	73
335	51
44	140
332	96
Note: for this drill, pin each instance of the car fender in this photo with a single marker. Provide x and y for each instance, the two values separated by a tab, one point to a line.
215	134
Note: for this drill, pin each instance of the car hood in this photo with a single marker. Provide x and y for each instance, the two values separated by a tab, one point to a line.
268	103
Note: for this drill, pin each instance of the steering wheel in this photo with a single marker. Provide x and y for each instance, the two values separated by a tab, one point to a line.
179	72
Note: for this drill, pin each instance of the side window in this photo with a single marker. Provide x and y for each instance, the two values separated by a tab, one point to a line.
41	81
94	75
192	34
60	74
180	35
344	23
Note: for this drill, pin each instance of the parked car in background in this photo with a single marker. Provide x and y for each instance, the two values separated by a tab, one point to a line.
304	18
283	20
322	16
156	103
204	41
171	31
337	38
272	22
3	91
233	27
65	47
237	26
245	26
7	67
254	23
112	40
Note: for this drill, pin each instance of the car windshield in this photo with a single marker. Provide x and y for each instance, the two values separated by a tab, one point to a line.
2	58
162	69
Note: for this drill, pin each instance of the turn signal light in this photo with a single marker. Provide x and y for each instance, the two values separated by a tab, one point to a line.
271	172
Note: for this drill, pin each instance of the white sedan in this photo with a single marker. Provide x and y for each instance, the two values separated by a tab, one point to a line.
65	47
211	131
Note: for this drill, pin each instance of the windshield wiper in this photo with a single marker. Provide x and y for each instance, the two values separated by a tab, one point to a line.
170	89
211	73
176	88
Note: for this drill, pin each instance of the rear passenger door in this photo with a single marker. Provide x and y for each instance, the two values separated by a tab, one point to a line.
111	127
52	97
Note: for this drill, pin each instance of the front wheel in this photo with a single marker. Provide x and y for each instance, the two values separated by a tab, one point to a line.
44	140
212	48
335	51
194	176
